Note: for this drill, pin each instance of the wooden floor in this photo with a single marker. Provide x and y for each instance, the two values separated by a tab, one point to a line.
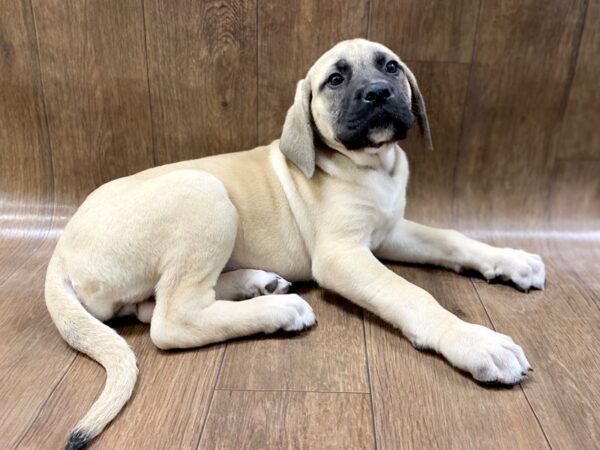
352	382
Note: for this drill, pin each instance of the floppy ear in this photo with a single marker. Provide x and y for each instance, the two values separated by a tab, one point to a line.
297	140
419	107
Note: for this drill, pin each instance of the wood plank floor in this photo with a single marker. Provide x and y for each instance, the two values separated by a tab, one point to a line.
352	382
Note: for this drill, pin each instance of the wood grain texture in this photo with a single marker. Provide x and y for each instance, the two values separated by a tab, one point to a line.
578	262
329	358
429	30
290	40
167	410
26	187
96	91
558	329
430	196
90	91
33	357
519	81
259	420
202	68
580	134
420	401
405	383
575	195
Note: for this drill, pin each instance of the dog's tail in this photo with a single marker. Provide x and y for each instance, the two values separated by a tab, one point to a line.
90	336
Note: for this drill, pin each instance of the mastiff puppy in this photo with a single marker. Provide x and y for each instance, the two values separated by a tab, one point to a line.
322	203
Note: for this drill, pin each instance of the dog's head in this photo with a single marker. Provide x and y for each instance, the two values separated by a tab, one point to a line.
358	96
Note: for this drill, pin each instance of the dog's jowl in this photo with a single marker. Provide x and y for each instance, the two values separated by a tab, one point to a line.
217	241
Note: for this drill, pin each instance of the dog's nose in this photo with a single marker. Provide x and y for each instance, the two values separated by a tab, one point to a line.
377	92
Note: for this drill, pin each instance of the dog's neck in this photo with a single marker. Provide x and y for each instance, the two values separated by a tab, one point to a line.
381	158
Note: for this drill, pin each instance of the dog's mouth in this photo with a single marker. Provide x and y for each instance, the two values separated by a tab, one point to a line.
377	127
379	136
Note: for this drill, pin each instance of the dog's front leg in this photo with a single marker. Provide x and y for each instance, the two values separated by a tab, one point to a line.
412	242
353	271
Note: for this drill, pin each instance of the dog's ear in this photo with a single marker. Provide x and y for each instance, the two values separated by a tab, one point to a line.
297	139
419	107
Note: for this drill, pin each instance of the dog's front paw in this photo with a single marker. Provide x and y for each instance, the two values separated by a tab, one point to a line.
490	357
259	282
525	270
293	312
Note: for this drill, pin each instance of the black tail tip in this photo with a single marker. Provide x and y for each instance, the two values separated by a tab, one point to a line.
78	440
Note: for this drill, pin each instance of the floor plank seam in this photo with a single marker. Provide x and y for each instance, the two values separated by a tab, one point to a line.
212	396
520	384
290	390
41	408
373	420
536	416
474	286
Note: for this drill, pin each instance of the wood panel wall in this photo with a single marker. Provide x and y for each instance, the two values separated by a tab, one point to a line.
94	90
91	90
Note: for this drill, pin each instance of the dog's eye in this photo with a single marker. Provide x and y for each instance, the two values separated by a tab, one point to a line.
392	67
335	79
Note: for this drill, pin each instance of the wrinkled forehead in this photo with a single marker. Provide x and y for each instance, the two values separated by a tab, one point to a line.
357	54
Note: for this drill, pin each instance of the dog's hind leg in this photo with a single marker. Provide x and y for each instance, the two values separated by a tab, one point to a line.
192	318
235	285
188	312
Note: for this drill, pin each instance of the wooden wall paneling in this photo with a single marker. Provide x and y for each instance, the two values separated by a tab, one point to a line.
558	329
96	89
575	195
330	357
167	410
580	133
259	420
290	40
202	68
430	188
434	38
114	87
420	401
33	357
519	82
427	30
26	188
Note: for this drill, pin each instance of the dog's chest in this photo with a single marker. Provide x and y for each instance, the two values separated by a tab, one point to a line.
388	200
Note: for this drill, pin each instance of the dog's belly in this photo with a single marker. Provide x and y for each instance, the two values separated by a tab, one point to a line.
275	247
